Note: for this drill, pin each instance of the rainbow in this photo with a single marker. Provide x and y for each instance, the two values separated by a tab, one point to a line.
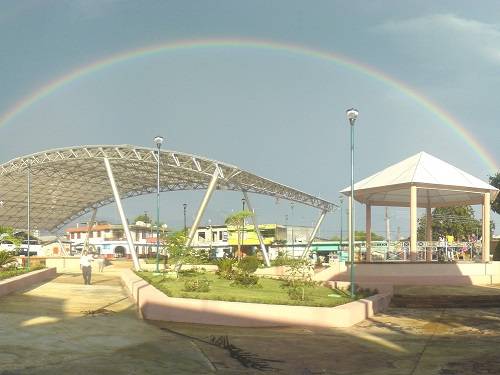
445	117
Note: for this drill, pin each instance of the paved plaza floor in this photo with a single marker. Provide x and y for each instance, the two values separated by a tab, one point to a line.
65	327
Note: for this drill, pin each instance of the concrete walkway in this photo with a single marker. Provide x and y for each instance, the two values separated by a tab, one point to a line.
64	327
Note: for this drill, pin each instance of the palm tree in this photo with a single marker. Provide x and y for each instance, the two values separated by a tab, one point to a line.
237	220
6	259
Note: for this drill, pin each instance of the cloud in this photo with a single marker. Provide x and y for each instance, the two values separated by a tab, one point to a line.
93	8
445	33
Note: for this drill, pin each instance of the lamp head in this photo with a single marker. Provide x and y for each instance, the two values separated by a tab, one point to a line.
352	115
158	140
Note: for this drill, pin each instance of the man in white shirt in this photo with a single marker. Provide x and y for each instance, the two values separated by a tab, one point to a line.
85	266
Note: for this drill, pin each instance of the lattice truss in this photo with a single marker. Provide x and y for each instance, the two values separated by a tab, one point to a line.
69	182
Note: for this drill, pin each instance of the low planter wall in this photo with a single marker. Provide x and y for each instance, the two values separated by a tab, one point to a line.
26	280
154	305
422	273
151	267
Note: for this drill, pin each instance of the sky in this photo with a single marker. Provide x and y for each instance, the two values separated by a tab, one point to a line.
273	102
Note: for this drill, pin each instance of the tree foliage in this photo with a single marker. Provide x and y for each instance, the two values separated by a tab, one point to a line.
144	218
7	234
495	181
360	235
457	221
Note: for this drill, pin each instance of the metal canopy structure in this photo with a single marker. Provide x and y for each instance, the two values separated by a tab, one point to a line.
67	183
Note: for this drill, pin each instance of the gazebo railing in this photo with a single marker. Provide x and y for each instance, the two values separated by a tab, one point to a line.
399	251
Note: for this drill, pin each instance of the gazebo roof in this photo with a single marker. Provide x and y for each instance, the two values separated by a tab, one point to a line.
440	184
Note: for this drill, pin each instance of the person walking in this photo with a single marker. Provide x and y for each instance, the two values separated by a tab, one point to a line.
86	267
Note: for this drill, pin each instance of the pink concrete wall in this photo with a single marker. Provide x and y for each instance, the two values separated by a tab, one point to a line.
25	281
422	273
154	305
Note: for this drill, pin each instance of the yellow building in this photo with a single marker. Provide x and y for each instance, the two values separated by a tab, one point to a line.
271	234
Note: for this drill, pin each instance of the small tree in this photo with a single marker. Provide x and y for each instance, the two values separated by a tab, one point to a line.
298	278
495	181
177	249
237	220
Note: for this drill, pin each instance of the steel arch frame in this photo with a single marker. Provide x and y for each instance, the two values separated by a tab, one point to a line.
70	182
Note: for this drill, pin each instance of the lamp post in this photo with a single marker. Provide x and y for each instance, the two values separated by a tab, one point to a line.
243	229
158	140
352	115
29	212
341	220
184	205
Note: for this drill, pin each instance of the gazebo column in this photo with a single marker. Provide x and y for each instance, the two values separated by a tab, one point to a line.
486	227
413	223
368	228
428	234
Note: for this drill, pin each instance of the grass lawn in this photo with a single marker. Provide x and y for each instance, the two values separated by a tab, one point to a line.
5	274
270	293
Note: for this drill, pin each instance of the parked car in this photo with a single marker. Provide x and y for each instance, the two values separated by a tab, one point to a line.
8	246
35	248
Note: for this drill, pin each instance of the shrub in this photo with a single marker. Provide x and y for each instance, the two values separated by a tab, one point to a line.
225	268
246	280
200	284
190	272
249	264
282	260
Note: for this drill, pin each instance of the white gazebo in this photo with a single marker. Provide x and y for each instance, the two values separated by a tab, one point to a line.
423	181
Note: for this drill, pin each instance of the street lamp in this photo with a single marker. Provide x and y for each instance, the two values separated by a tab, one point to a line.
184	205
158	140
29	212
352	115
243	229
341	220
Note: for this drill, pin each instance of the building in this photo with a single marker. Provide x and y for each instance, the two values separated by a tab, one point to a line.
213	238
110	240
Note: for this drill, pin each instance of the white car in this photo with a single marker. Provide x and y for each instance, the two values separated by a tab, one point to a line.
35	248
6	245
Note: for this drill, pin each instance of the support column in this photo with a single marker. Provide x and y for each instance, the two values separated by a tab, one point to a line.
413	223
350	239
428	234
313	234
118	201
486	227
368	228
91	224
61	246
257	230
203	205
